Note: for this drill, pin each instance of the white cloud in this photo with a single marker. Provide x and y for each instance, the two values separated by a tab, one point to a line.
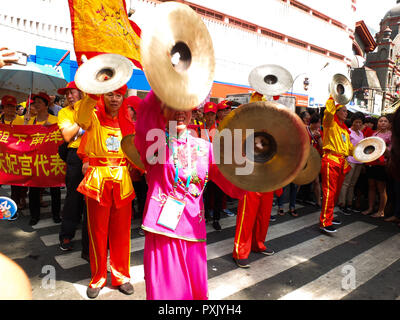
372	12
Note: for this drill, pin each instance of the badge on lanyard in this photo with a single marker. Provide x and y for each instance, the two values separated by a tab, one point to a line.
171	213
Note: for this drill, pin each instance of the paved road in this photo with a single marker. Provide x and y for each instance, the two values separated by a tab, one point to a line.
360	261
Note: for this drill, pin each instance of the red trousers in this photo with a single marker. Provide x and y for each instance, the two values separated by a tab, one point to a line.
254	212
333	172
112	226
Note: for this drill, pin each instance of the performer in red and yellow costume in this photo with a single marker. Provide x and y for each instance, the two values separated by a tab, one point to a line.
107	187
336	147
252	222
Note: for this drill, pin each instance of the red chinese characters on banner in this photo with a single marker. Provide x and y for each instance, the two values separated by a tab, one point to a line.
29	156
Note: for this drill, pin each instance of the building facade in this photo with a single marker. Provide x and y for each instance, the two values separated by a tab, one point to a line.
312	39
385	60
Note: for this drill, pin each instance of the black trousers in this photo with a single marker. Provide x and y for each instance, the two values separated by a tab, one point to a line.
141	195
213	192
74	210
34	201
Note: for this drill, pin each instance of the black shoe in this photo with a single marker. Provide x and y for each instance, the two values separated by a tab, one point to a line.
273	218
242	263
56	219
268	252
92	292
66	245
217	226
126	288
33	221
329	229
346	211
336	221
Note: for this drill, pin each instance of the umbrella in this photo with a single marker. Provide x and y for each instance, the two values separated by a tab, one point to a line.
31	78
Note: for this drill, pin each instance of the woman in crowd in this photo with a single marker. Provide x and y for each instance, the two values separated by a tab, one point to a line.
394	167
40	108
376	171
175	257
314	129
347	191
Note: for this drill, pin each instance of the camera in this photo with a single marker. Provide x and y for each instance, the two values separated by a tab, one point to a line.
16	57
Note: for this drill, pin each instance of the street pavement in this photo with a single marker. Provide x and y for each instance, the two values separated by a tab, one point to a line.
360	261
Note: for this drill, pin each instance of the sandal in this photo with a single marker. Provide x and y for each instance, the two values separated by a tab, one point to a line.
281	212
293	213
378	215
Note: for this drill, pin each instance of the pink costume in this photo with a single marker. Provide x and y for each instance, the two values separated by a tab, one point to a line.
175	260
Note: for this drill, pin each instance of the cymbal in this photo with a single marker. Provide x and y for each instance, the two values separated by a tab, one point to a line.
369	149
130	151
341	89
178	56
311	170
103	73
280	146
270	79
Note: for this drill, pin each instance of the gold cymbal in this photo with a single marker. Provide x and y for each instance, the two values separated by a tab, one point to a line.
130	151
341	89
281	146
369	149
103	73
178	56
270	79
311	170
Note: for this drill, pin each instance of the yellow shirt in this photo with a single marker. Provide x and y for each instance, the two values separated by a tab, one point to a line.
51	119
65	120
19	120
103	145
336	137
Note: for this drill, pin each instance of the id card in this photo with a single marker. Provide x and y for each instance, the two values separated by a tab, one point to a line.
171	213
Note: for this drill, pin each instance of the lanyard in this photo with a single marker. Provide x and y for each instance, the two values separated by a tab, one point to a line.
175	157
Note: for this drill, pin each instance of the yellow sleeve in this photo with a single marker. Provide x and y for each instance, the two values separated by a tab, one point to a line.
65	118
84	112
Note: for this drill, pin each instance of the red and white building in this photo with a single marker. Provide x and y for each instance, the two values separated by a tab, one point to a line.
312	39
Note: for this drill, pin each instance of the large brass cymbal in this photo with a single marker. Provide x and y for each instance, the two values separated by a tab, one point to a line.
130	151
103	73
369	149
311	170
178	56
341	89
270	79
281	150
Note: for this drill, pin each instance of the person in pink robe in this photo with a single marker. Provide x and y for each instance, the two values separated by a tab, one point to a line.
178	166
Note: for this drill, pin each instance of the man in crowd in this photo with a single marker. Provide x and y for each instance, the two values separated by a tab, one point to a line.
108	188
336	147
74	207
10	117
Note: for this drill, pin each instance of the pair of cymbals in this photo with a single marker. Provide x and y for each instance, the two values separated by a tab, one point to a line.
311	170
103	73
341	89
130	151
281	146
178	56
270	79
369	149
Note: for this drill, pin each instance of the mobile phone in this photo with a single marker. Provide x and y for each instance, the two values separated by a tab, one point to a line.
16	57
